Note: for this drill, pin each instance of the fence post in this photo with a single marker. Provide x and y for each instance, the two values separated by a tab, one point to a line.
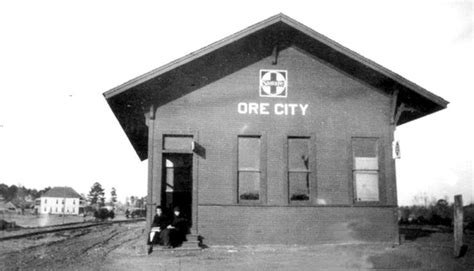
458	225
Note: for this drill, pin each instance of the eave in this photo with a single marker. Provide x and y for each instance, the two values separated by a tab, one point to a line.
131	100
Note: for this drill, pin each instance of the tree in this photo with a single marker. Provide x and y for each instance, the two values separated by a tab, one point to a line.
422	199
113	196
42	192
96	195
11	193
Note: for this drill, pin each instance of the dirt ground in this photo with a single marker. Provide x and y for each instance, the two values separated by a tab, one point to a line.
44	220
121	247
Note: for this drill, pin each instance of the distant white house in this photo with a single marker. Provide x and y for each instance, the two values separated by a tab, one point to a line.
60	200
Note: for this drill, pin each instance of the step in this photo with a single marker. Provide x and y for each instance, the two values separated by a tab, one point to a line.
192	236
176	249
190	245
192	241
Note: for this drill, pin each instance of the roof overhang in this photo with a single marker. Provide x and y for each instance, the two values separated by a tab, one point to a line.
132	100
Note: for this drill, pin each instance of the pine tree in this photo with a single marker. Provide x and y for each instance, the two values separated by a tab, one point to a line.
113	196
96	195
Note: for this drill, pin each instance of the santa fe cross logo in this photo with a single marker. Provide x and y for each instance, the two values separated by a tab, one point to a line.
273	83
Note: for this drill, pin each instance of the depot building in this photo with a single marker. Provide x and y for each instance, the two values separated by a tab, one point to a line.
275	134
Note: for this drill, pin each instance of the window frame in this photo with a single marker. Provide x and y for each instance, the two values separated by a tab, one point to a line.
263	170
311	137
379	171
173	135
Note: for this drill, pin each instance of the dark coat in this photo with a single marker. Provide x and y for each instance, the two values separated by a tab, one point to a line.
160	221
178	234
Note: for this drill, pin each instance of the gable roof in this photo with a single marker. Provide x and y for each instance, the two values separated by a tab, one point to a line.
7	205
3	205
61	192
131	100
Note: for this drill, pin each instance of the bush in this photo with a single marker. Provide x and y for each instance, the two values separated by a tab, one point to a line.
438	213
470	226
5	225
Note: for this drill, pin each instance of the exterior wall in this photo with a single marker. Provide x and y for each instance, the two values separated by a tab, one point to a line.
52	205
339	108
300	225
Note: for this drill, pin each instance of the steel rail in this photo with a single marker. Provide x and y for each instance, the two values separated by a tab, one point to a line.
71	226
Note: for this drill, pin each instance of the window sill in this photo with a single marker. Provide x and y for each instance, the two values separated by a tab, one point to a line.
368	203
250	202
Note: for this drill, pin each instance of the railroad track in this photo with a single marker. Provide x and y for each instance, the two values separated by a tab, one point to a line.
71	226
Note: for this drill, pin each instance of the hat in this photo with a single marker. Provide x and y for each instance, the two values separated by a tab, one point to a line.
176	209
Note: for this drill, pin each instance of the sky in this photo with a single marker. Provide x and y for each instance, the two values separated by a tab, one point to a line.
58	57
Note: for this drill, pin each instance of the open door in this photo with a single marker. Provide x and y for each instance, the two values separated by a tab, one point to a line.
177	183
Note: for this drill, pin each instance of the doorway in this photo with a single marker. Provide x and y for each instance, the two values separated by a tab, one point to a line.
177	183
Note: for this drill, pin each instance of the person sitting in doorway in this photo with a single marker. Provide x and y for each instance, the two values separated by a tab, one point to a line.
178	228
159	232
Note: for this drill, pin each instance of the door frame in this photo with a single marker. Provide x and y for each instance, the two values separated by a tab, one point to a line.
164	180
155	191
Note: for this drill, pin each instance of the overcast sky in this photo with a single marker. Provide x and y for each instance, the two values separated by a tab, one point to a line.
58	57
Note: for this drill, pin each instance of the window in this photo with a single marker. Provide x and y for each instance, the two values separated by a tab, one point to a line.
56	209
73	209
45	209
169	175
299	169
177	142
45	201
249	150
365	169
73	202
56	201
62	201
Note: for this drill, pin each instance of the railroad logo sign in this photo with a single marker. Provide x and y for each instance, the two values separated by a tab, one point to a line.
273	83
396	150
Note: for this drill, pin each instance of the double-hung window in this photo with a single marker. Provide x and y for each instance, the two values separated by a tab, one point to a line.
365	169
249	169
299	169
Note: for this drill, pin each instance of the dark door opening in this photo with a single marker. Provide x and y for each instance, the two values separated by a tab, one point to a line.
177	183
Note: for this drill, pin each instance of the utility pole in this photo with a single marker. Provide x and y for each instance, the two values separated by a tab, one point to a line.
458	226
64	201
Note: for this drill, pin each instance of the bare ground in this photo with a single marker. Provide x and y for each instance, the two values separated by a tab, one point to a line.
121	247
83	249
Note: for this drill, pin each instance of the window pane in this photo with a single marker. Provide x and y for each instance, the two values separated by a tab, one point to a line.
367	186
177	142
364	147
366	163
249	185
169	179
249	153
298	153
299	186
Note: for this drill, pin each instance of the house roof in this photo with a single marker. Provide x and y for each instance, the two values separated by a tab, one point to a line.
7	205
61	192
3	205
131	100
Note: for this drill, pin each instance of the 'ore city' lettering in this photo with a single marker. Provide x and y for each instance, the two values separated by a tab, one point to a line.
284	109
